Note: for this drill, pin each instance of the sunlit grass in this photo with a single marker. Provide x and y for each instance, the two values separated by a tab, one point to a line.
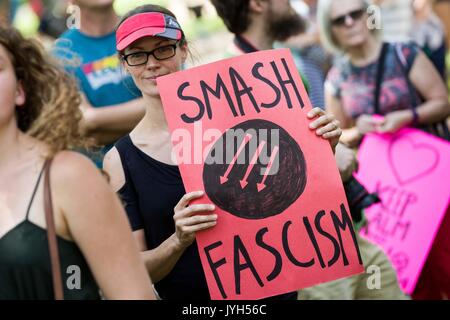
26	21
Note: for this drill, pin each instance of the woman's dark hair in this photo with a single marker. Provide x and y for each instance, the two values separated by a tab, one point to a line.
234	13
151	8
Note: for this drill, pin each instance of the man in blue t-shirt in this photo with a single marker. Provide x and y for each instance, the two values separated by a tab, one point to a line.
112	105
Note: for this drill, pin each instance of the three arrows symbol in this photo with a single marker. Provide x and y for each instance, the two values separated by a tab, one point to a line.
260	186
224	178
244	182
252	163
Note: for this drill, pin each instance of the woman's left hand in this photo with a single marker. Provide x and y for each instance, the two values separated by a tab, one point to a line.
326	126
394	121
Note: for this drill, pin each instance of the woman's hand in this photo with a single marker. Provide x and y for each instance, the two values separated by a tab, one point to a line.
188	219
367	123
394	121
325	125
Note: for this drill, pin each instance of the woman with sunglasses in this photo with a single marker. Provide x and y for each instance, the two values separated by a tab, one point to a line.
350	89
39	120
151	44
393	80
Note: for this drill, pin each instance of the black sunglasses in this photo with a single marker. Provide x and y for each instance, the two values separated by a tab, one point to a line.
355	15
141	57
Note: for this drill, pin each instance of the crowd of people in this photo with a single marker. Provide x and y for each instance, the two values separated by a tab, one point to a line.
83	132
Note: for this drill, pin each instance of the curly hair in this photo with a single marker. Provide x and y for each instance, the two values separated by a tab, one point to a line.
234	13
51	111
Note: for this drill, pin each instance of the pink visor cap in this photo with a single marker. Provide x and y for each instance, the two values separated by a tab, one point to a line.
145	25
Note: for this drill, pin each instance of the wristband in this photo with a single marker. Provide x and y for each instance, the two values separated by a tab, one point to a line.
415	119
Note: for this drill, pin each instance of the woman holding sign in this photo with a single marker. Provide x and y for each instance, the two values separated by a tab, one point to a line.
151	44
51	196
384	87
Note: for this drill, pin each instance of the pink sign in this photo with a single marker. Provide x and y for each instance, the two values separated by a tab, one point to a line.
283	219
410	172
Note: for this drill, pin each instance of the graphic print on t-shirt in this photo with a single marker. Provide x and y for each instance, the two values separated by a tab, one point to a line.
104	71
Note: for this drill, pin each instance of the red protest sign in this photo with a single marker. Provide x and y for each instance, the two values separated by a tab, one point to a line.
240	133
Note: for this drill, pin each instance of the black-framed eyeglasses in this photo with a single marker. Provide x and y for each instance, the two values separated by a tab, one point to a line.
141	57
355	15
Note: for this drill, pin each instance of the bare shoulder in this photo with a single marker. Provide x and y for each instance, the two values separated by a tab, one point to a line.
112	164
69	163
71	168
76	185
112	159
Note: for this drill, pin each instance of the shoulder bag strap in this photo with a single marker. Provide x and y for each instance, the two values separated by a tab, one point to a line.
379	78
51	235
405	70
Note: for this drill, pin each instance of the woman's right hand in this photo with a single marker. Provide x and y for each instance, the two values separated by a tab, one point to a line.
366	123
188	218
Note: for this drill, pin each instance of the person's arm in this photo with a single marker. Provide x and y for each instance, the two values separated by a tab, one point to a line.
161	260
97	223
346	161
350	133
109	123
428	83
188	220
303	40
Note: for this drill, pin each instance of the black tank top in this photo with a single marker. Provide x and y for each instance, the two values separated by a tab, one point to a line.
25	269
151	191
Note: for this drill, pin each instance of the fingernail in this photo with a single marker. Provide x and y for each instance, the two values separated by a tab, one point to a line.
319	132
212	207
312	125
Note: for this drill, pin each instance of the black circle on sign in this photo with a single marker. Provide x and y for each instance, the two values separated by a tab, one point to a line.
255	197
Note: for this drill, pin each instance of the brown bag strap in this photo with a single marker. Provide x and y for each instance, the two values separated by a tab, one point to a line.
51	234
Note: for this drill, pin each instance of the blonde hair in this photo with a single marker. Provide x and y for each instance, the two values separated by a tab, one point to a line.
51	111
324	23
